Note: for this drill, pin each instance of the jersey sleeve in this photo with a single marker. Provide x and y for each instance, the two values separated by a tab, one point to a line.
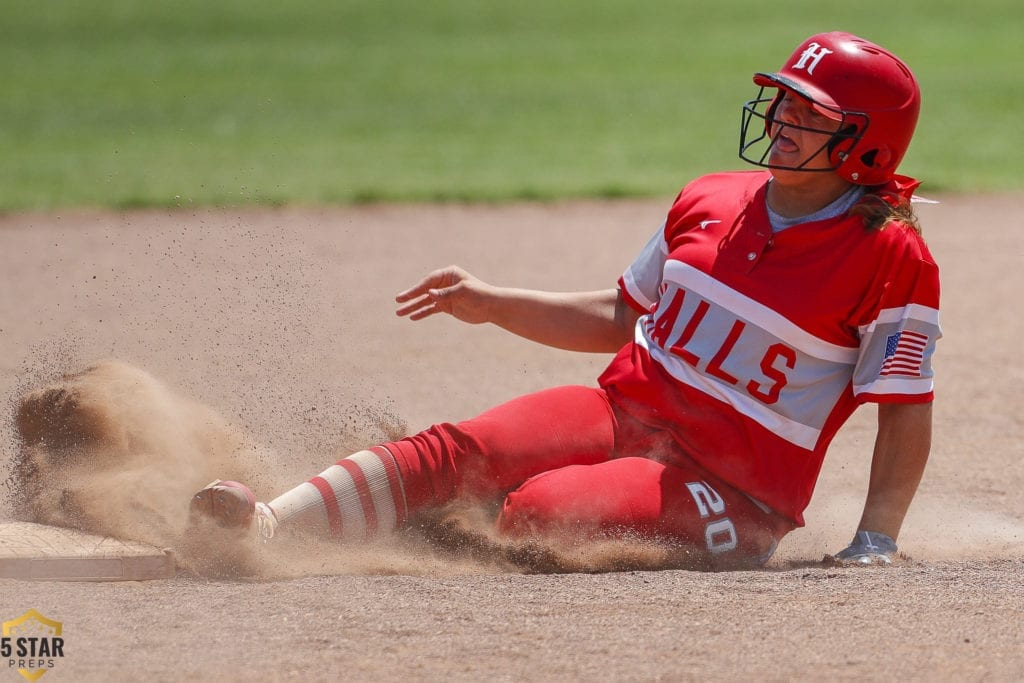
894	364
641	281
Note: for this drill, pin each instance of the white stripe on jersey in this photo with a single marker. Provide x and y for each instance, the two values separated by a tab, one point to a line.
707	287
925	314
643	277
634	289
909	386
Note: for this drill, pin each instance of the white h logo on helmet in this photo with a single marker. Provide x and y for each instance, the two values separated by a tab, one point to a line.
810	57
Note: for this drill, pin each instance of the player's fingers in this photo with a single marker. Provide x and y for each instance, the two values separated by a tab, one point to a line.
414	306
416	290
435	301
437	278
424	313
420	288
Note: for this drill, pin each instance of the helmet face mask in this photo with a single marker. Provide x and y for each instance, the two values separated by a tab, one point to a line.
759	129
871	94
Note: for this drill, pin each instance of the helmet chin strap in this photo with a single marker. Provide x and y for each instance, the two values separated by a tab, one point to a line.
846	132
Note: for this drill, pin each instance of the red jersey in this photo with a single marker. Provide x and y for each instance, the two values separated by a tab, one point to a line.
754	347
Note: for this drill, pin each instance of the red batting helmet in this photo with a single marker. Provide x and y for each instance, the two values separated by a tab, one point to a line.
869	90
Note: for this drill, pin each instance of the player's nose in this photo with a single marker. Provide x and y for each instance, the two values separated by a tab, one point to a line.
788	112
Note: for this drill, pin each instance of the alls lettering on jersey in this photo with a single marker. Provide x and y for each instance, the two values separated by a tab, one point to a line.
810	57
666	320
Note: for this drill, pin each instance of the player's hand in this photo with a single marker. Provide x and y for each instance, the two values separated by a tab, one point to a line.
868	547
450	290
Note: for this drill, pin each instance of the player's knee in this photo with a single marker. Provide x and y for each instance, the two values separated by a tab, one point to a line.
519	516
533	509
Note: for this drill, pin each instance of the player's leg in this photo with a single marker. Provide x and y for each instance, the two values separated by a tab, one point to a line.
376	490
642	498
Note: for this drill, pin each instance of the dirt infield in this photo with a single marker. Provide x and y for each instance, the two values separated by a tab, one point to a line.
280	323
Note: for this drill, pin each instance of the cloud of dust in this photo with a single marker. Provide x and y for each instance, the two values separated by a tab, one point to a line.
114	451
934	530
938	530
467	530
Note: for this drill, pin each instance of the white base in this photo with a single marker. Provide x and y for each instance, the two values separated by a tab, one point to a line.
38	552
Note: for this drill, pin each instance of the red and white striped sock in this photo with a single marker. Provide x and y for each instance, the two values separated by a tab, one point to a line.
359	497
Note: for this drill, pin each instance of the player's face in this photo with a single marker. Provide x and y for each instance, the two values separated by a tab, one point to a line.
800	135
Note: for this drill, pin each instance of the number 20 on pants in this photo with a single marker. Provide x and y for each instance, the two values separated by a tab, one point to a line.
719	534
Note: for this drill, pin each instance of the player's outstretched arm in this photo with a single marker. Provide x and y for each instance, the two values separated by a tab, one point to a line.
901	452
597	321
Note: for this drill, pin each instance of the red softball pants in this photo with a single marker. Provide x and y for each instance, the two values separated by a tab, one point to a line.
568	461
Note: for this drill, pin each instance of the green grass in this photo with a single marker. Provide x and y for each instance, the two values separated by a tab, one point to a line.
132	103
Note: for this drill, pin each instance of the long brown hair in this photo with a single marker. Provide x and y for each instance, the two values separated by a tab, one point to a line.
879	209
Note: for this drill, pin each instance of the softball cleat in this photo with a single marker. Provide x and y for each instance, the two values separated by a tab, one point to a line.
232	505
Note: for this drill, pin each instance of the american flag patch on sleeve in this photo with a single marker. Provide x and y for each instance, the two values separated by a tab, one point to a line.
904	354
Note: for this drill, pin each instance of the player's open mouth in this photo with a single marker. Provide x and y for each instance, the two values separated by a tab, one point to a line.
785	144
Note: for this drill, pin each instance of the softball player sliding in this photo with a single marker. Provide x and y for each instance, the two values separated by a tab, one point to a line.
767	307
